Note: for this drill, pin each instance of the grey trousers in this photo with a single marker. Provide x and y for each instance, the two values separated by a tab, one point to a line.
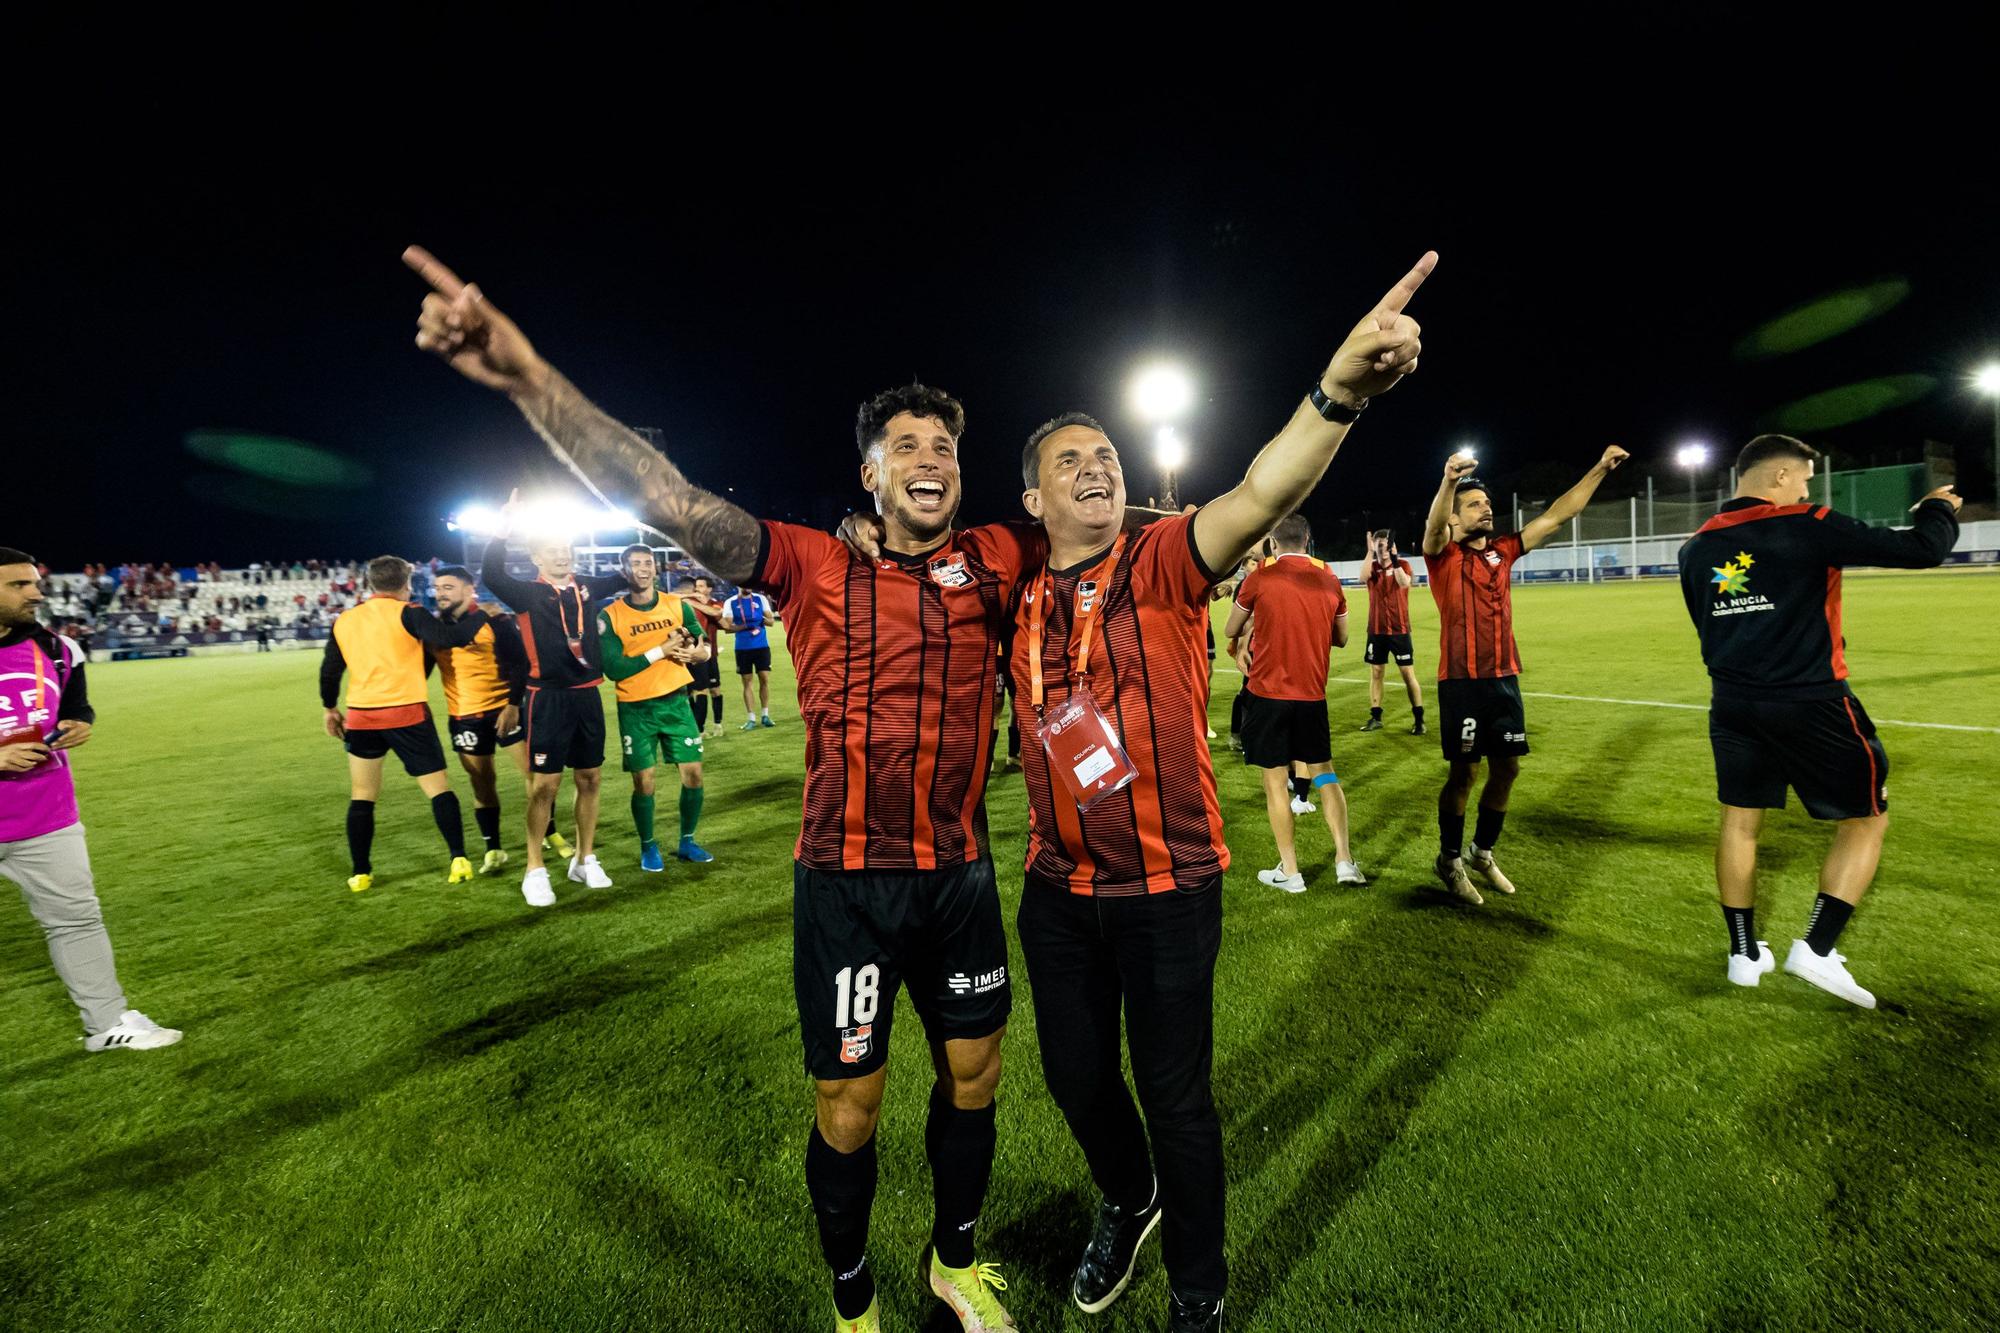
54	874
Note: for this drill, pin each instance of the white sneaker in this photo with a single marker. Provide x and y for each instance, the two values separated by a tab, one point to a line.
1301	806
132	1032
535	888
1481	863
587	872
1278	879
1451	873
1746	971
1348	872
1211	733
1828	973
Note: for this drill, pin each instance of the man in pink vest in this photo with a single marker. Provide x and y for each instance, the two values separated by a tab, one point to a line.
45	713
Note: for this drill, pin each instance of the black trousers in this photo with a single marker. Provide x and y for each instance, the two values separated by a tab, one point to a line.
1154	956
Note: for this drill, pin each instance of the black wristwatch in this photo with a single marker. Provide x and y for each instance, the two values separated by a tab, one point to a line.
1332	411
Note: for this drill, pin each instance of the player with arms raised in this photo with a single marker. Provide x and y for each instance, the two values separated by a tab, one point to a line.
893	879
1479	698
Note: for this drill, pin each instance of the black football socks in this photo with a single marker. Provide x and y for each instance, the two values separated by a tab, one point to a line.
488	818
360	835
842	1186
959	1145
1486	832
1828	919
444	810
1451	830
1742	930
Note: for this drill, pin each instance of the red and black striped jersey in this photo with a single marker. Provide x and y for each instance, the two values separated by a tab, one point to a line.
1475	601
896	661
1149	674
1388	600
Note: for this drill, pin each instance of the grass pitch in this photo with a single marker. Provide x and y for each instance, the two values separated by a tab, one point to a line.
430	1108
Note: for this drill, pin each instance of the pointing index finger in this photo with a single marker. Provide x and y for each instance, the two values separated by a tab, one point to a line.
1399	295
442	280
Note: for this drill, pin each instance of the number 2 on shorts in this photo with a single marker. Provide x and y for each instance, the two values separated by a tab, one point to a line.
856	990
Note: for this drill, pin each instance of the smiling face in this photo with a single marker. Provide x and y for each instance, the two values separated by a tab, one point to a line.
454	595
640	571
1080	490
553	557
913	474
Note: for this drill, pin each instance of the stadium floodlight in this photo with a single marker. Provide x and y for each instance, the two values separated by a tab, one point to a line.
621	518
479	520
1987	380
1161	392
1694	457
1170	452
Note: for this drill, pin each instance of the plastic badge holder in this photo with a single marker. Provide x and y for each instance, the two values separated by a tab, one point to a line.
1083	750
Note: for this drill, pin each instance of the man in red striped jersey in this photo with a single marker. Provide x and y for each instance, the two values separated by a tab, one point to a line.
1479	701
892	880
1388	578
1121	916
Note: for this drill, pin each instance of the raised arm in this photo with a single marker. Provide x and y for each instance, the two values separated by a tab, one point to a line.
517	593
1437	524
1378	352
1849	541
1549	522
465	330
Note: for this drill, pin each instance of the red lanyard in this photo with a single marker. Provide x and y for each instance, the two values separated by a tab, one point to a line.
1084	625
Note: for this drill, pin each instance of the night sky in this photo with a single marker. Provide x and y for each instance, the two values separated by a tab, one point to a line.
232	264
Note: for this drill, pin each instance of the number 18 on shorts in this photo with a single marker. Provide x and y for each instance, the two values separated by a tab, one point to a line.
859	935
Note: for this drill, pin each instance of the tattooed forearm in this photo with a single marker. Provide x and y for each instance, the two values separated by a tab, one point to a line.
583	436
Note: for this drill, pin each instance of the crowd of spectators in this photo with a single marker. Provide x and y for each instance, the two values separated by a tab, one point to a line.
127	604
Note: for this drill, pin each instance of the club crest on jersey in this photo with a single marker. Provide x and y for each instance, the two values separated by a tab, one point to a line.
541	757
1086	596
950	571
855	1043
1492	557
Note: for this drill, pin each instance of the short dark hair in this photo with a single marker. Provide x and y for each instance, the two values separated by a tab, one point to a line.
459	572
636	548
1765	448
703	578
386	573
1292	533
1467	484
1031	457
1386	534
10	556
871	421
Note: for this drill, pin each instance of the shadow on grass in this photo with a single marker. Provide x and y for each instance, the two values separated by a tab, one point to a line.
171	1157
1901	1123
1432	967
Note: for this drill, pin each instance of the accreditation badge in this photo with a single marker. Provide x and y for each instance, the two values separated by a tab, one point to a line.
1083	749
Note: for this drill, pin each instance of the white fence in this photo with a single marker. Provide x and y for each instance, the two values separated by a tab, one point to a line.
1658	557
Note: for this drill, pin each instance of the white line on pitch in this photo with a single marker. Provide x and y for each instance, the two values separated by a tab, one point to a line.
1658	703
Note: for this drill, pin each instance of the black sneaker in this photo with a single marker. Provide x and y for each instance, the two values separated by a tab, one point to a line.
1418	729
1372	724
1193	1316
1106	1266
